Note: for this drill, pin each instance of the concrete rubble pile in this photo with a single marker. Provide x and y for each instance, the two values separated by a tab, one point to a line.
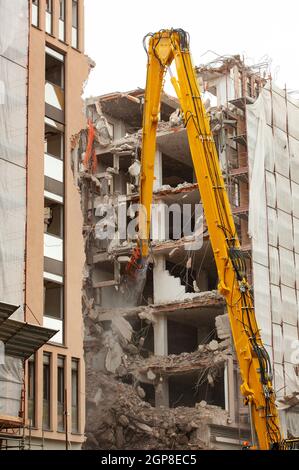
210	357
119	419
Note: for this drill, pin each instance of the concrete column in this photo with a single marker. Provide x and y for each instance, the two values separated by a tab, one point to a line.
158	226
162	393
161	349
158	181
158	271
160	336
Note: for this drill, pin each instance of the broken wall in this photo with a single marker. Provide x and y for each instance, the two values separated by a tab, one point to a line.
121	375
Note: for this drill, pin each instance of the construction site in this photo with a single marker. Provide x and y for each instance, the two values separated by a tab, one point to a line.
95	358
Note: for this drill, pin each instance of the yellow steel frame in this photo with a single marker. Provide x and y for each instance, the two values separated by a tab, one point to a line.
165	47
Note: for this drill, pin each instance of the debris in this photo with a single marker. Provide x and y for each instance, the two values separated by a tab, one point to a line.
173	252
98	397
113	357
124	421
151	375
144	428
175	119
203	358
223	326
119	437
210	380
213	345
140	391
195	287
135	168
202	404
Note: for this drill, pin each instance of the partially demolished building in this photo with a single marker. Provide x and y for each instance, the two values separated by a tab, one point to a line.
161	368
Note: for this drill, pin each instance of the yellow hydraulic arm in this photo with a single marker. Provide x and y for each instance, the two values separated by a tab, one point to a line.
165	47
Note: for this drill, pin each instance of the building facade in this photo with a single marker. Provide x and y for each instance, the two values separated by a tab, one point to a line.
43	69
54	249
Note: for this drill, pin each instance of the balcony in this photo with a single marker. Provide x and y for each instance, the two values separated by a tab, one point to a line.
53	247
54	324
53	168
54	96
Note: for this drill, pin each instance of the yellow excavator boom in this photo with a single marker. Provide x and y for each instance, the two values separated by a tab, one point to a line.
165	47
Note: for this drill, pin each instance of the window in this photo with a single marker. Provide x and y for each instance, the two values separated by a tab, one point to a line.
53	300
61	393
62	20
46	391
75	21
54	139
49	21
55	68
35	12
53	218
31	391
75	395
54	86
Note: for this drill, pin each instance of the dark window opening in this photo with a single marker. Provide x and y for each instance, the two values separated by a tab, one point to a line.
35	13
31	391
46	391
54	70
54	86
61	393
54	140
75	22
49	16
49	6
61	31
75	395
175	172
53	218
181	338
149	393
143	336
190	389
53	300
62	10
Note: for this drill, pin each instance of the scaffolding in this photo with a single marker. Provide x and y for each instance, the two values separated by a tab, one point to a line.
20	341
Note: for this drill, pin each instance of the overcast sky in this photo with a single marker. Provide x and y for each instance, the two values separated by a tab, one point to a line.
257	29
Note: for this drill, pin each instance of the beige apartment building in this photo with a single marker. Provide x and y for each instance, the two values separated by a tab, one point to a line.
48	276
